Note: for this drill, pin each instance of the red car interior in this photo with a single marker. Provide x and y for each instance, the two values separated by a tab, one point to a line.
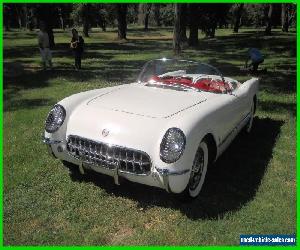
205	84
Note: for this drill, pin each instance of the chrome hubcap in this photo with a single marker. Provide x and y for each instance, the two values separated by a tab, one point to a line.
197	170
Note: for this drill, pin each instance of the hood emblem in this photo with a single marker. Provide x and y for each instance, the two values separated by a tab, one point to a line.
105	132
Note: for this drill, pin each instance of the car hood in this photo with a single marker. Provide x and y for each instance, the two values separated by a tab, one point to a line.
146	101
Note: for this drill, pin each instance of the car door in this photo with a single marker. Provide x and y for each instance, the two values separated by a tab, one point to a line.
243	100
227	113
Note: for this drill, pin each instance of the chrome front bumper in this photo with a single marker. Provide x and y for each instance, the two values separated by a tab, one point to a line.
48	143
164	173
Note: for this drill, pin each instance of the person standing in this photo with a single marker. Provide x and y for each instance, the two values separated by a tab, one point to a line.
76	45
44	46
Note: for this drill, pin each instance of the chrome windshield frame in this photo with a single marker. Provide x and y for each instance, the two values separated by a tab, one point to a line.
218	73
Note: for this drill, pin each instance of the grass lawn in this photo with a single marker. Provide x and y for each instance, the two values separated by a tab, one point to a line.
250	190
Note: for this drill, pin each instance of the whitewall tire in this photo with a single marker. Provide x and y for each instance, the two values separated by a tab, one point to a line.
199	170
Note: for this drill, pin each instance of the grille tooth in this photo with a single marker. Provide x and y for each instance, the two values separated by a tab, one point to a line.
133	161
107	156
126	160
113	153
141	162
94	149
95	154
100	150
120	156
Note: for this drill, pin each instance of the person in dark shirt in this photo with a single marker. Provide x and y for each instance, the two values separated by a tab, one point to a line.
256	58
76	45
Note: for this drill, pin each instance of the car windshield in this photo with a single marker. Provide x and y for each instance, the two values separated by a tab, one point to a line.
183	75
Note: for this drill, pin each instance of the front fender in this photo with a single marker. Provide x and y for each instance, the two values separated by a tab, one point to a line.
70	103
195	129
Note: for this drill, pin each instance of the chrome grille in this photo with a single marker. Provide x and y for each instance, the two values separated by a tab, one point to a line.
109	156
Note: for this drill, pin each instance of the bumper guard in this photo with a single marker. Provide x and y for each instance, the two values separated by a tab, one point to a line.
48	143
165	173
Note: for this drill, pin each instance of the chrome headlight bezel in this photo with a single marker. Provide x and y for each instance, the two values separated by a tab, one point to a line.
174	137
55	118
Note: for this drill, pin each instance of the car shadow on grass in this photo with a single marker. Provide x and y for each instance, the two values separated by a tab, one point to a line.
230	184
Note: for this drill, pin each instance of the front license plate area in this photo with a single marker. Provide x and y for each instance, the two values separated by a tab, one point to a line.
111	165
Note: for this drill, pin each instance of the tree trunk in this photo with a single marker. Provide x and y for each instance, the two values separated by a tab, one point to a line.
62	25
30	19
103	25
213	27
284	18
177	28
141	13
6	24
193	38
102	19
238	15
157	14
26	16
212	31
19	16
183	20
122	24
86	28
6	17
20	22
85	19
269	20
61	19
147	13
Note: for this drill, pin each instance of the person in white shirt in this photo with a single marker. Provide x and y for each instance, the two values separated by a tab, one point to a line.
44	46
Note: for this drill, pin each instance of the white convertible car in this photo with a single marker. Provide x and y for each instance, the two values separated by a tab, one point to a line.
162	130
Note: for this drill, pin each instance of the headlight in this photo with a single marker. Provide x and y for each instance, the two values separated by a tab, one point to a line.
172	145
55	118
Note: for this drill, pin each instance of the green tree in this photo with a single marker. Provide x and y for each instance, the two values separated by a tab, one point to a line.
210	15
82	14
147	14
167	14
157	16
144	10
102	18
178	12
254	15
237	17
6	16
288	12
122	23
19	14
183	23
269	19
86	18
193	24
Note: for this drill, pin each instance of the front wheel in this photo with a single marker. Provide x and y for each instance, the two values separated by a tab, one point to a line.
199	170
